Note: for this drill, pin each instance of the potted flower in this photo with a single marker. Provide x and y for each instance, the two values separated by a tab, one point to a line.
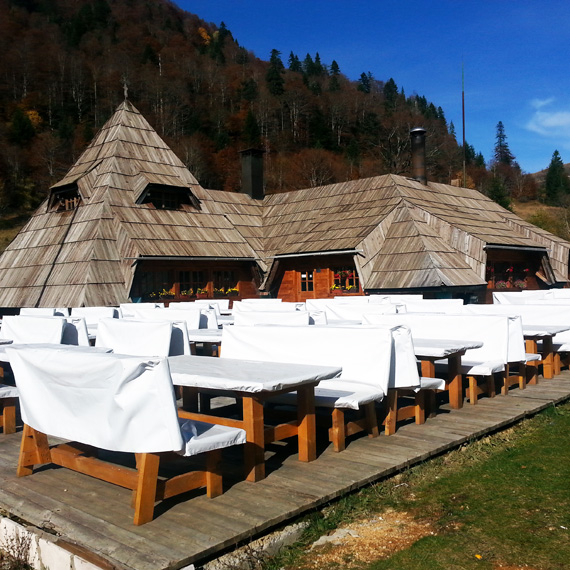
187	292
166	294
500	285
232	291
520	284
219	292
201	293
337	289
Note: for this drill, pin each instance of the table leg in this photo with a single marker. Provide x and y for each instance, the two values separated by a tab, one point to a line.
547	357
306	435
428	371
455	382
255	433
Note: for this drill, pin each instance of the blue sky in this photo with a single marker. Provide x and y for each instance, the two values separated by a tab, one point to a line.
515	55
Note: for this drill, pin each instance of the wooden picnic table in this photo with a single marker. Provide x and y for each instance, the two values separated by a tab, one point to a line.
544	333
429	350
254	382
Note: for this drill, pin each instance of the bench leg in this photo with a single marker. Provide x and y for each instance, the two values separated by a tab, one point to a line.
8	415
522	376
557	363
491	388
338	431
371	419
391	412
420	401
472	390
214	473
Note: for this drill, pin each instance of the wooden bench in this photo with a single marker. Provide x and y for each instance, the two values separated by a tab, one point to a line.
363	354
117	403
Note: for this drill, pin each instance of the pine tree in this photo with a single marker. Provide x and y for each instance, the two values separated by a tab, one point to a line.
21	130
502	155
390	95
334	84
498	193
557	183
364	83
274	75
295	63
309	65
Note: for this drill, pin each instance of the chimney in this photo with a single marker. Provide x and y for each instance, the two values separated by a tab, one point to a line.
252	172
418	138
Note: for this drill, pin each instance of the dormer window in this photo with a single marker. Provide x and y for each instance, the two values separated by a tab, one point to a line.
65	200
166	197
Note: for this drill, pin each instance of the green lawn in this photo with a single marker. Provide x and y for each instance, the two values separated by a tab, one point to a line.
500	502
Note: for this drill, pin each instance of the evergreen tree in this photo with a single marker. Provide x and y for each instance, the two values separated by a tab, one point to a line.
318	68
274	75
21	130
334	84
557	183
309	65
502	154
364	83
249	90
390	95
498	193
295	63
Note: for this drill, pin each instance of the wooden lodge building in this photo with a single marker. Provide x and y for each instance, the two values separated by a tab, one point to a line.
129	221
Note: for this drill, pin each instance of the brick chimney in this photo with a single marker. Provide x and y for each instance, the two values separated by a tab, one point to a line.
418	139
252	173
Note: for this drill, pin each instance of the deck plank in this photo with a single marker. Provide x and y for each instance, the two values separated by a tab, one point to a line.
94	517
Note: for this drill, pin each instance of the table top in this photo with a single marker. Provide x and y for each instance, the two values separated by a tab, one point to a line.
205	335
250	376
543	330
442	348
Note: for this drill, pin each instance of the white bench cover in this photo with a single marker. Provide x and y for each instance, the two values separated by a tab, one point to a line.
111	401
136	338
28	329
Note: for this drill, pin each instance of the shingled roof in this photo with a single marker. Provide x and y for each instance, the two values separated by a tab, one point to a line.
403	234
85	256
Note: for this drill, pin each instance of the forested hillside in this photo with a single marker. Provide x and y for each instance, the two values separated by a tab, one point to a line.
65	63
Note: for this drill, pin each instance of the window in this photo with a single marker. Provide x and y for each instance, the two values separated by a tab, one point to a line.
154	283
65	200
224	280
346	278
166	197
191	281
307	282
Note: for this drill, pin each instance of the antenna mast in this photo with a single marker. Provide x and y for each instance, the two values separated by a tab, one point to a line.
463	117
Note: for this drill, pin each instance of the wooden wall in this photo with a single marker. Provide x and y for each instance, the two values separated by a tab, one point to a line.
288	284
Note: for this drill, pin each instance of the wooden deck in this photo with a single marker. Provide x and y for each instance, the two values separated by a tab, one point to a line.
93	518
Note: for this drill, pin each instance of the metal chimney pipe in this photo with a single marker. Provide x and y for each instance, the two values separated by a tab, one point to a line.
252	172
418	139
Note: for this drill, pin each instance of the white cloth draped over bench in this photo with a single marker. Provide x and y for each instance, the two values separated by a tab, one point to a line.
109	401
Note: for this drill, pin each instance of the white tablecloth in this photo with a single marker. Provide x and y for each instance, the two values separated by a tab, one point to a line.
244	375
442	348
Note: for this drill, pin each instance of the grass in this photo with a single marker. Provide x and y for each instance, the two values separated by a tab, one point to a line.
499	502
